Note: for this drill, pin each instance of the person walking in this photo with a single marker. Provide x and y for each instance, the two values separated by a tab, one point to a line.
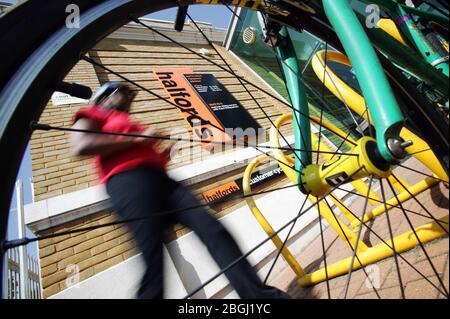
134	172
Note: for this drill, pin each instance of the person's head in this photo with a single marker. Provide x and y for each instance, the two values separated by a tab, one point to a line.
113	95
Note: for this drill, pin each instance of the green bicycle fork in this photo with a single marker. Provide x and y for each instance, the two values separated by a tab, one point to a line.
302	130
384	110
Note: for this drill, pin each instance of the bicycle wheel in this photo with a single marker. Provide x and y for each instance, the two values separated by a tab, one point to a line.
52	50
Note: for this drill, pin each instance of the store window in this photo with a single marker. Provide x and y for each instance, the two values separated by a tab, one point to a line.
260	57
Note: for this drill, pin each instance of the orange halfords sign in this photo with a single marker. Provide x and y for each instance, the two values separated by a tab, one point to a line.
229	190
220	192
198	115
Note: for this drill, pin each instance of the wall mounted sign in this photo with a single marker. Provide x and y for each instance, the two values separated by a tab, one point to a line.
229	112
206	105
226	191
59	98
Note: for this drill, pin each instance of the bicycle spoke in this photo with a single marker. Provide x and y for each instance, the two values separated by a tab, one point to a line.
391	248
323	93
421	151
341	145
417	201
419	241
352	248
421	173
316	48
391	234
284	242
371	132
358	237
390	205
324	253
341	97
231	10
346	139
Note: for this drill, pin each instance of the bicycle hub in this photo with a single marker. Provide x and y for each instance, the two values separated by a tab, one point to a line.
317	180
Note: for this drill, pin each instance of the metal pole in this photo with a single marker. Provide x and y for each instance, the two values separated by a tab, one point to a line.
4	260
5	276
23	257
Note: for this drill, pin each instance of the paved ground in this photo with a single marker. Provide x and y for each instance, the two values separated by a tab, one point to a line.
385	274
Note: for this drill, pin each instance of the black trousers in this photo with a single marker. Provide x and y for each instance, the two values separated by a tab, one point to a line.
144	192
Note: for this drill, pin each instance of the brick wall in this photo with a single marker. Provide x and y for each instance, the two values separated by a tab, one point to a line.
56	171
91	251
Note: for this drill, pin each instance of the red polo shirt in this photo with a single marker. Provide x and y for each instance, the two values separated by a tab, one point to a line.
135	156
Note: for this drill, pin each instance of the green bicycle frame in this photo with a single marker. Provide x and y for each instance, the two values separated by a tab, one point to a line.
393	5
302	130
409	27
402	17
384	109
407	58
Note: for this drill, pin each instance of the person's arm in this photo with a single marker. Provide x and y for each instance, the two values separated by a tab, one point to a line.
95	144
